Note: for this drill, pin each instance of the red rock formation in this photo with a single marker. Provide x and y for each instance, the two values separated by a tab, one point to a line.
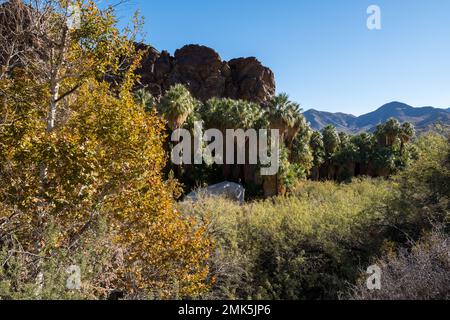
205	74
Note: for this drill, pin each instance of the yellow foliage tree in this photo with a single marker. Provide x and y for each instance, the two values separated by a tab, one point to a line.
103	157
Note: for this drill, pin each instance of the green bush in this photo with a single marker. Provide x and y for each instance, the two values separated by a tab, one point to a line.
424	198
313	243
305	246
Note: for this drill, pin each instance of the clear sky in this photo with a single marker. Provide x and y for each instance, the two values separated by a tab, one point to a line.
321	51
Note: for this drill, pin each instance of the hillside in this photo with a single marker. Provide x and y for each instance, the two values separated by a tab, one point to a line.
319	119
423	118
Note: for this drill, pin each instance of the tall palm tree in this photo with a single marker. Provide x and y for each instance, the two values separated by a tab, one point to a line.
176	105
365	144
282	113
380	135
145	99
318	153
392	130
224	113
300	128
331	142
406	134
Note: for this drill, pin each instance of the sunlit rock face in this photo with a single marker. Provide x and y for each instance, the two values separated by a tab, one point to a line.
206	75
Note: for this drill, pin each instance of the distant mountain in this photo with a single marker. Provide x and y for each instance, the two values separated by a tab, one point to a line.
423	118
320	119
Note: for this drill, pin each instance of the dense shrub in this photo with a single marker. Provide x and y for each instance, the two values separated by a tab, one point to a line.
306	246
424	198
313	243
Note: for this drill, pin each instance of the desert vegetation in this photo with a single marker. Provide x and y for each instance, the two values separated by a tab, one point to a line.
319	240
85	183
305	153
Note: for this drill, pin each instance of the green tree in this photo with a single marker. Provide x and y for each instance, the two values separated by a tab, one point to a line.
103	161
318	153
176	106
388	133
145	99
300	127
383	161
365	146
301	153
406	134
282	114
425	188
331	143
224	113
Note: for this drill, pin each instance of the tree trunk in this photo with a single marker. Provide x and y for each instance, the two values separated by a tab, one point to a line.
56	64
54	95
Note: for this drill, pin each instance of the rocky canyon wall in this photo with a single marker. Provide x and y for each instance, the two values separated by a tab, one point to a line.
206	75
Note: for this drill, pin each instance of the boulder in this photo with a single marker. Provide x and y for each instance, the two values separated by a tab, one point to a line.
229	190
252	80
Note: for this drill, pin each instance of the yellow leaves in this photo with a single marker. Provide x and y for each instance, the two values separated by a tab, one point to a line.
122	147
162	238
104	160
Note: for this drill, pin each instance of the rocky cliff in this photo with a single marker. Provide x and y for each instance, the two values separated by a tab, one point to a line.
206	75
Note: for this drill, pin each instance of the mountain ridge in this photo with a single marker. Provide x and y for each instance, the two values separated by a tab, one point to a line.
423	118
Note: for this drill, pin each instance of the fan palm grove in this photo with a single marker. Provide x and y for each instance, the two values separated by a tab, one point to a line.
325	155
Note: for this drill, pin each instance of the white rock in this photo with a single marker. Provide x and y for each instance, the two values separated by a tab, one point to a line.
230	190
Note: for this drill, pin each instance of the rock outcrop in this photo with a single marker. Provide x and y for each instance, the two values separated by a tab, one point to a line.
204	73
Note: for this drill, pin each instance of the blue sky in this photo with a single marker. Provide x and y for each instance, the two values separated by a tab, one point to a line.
321	51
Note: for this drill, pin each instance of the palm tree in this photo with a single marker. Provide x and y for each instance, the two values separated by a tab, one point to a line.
300	126
223	114
345	158
300	150
380	136
406	134
344	138
318	153
145	99
331	142
393	130
365	144
282	113
176	105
